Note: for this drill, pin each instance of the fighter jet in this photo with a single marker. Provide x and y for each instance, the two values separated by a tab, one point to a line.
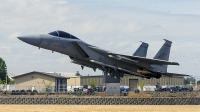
113	64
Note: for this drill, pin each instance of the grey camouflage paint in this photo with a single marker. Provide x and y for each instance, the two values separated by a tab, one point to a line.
82	54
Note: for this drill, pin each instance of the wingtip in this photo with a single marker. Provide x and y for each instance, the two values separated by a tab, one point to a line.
143	42
167	40
175	63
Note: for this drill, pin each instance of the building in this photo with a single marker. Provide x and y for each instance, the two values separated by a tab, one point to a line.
131	81
68	81
40	80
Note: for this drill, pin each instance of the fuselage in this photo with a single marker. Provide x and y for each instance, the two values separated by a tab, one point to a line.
80	52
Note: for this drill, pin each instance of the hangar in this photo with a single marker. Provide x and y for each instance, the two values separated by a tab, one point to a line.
131	81
39	81
62	82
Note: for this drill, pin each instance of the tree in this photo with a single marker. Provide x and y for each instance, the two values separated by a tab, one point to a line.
3	70
47	86
93	85
3	83
142	84
198	82
189	80
11	82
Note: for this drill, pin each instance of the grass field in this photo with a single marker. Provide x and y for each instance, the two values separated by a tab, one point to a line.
99	108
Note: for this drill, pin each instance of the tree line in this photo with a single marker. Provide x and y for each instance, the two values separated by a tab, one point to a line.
3	73
190	80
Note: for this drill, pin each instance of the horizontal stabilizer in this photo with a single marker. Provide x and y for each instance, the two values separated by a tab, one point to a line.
147	60
175	75
135	58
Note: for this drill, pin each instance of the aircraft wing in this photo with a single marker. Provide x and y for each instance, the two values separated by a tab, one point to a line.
99	50
135	59
147	60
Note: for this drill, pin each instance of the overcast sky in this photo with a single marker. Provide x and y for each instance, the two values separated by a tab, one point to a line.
115	25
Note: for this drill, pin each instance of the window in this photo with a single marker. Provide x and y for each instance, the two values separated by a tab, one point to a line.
63	34
55	33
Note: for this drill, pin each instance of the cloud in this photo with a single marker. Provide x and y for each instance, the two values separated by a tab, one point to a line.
116	26
14	36
5	49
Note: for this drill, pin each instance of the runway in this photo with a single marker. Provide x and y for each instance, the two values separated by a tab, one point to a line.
100	108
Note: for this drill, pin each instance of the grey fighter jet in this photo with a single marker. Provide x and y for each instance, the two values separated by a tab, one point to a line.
114	65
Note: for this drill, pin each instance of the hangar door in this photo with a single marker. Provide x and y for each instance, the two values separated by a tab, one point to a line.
133	84
60	85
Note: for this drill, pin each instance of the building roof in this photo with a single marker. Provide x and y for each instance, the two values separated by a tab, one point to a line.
68	74
92	76
43	73
85	76
65	74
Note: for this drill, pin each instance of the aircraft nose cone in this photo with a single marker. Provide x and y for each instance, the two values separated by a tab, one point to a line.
31	39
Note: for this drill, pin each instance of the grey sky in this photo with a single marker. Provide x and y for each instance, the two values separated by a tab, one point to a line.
115	25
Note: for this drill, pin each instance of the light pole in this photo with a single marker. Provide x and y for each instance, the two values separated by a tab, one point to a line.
6	81
196	84
75	82
102	82
196	76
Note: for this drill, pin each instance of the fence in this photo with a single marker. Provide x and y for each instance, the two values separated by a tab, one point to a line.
8	88
101	101
41	89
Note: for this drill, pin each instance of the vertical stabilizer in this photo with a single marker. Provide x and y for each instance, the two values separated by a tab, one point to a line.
142	50
163	54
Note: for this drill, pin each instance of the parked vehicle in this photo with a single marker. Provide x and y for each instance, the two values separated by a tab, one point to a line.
158	87
5	92
184	88
99	89
23	92
85	86
17	92
80	89
166	89
13	92
104	88
75	89
178	88
137	91
124	88
29	92
89	90
35	91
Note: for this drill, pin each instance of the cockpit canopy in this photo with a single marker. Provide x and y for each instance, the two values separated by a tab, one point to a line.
62	34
